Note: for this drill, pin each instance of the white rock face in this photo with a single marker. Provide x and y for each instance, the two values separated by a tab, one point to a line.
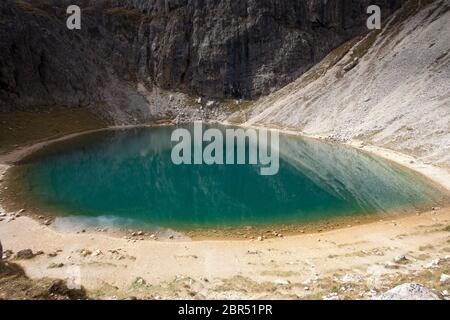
395	97
409	291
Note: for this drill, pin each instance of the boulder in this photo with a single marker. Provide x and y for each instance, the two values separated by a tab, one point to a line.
409	291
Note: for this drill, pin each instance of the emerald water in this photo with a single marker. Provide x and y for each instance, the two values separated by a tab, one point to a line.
127	175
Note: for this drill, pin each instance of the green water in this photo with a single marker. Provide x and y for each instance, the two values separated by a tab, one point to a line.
127	175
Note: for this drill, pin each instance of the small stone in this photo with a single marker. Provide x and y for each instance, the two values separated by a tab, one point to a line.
433	264
85	253
25	254
260	238
48	222
140	233
171	237
96	253
55	265
140	281
281	282
400	259
331	296
445	278
7	254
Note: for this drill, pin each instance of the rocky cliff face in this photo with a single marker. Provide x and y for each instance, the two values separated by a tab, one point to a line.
211	48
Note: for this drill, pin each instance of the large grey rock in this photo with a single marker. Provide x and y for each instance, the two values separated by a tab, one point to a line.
409	291
214	48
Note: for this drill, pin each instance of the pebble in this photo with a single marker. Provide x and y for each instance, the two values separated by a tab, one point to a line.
433	264
400	259
281	282
25	254
445	278
331	296
56	265
96	253
140	281
85	253
260	238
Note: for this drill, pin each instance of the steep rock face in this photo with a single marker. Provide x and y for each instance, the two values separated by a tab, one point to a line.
243	48
213	48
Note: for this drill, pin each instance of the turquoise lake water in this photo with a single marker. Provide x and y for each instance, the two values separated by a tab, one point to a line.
127	175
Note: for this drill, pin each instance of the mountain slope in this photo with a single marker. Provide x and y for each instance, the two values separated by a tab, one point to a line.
391	88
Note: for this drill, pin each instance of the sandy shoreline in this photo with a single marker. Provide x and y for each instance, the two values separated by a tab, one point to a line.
297	266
